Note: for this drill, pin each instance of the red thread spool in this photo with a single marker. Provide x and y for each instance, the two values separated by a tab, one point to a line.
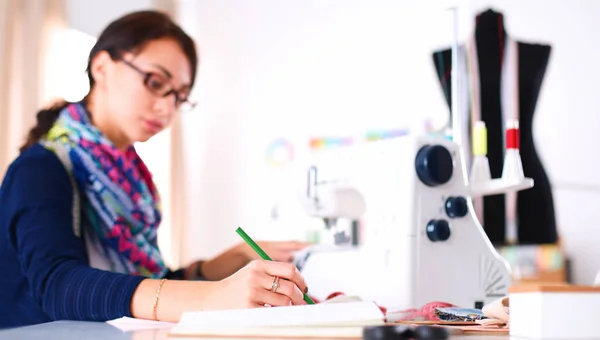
512	135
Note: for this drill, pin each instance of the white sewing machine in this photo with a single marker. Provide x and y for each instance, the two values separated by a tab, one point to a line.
421	240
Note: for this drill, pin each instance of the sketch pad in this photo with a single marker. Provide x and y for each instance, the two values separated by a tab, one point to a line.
340	320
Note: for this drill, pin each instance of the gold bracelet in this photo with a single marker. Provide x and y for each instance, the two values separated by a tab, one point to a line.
160	284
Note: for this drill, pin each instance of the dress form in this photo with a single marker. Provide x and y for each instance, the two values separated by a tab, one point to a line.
535	216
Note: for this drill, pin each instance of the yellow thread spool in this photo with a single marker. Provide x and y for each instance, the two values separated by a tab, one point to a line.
479	139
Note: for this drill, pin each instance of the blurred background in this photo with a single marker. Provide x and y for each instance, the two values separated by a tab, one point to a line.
277	77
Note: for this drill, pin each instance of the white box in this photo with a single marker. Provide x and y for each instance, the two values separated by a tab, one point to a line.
555	312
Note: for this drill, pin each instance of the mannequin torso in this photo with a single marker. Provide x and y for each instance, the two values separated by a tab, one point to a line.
535	208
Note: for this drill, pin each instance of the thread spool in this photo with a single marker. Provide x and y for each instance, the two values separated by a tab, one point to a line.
479	139
512	135
480	170
513	168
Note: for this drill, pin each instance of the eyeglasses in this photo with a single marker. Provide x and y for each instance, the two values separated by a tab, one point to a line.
159	86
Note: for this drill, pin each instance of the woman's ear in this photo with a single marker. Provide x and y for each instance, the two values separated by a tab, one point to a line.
99	68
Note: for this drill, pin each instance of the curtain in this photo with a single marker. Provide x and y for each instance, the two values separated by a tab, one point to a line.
171	177
27	31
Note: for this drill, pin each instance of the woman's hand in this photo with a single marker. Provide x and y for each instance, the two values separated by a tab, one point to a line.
232	260
252	286
282	251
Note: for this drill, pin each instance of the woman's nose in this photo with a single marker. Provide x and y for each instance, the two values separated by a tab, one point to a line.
165	106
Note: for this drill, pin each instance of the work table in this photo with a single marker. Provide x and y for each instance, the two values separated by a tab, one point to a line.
80	330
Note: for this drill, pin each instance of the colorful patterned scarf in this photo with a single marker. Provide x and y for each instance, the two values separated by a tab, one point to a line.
120	202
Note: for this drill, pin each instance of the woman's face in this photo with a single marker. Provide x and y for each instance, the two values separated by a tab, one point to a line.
134	89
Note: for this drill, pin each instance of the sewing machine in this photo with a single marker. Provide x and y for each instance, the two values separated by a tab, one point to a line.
420	240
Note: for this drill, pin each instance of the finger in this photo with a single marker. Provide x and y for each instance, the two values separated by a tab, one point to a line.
287	288
285	271
292	245
264	296
283	256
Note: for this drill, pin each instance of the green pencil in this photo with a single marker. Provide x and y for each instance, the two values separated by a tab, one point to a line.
264	255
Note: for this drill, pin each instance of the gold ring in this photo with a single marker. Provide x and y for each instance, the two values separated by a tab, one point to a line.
275	284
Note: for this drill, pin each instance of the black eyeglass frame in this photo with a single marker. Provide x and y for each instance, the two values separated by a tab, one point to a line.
179	102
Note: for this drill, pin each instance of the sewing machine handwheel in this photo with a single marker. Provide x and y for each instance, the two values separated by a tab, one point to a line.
404	332
434	165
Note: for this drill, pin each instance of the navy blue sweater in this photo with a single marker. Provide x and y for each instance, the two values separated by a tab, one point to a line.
44	271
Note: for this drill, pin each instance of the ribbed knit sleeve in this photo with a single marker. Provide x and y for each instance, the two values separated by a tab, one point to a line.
39	198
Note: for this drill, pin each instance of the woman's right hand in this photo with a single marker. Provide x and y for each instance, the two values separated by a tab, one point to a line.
251	287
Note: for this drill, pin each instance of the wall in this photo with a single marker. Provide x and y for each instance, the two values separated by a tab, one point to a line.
296	69
90	16
274	69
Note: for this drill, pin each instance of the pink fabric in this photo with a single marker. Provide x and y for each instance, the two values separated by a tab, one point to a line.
427	312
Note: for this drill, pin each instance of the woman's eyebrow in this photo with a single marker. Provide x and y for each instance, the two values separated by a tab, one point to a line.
164	70
168	74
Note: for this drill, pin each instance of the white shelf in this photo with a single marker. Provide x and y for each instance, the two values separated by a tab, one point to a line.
499	186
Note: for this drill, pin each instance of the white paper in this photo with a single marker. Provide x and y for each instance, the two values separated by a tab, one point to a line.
132	324
278	319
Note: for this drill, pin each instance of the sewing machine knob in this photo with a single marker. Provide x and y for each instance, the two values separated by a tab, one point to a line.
434	165
438	230
456	207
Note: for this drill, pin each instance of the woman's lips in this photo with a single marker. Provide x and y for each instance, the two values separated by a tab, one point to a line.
153	126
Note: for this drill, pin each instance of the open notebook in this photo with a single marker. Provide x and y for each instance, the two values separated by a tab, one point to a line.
319	320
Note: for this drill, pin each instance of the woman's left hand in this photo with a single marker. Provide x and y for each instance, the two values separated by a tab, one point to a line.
235	258
281	251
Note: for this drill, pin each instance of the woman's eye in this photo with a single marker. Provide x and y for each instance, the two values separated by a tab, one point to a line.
156	84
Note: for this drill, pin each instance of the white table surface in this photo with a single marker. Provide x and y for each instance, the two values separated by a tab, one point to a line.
78	330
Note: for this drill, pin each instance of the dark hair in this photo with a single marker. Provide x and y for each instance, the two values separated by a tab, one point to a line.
129	33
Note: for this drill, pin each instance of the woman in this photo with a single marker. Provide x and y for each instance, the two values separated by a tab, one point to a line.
91	253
